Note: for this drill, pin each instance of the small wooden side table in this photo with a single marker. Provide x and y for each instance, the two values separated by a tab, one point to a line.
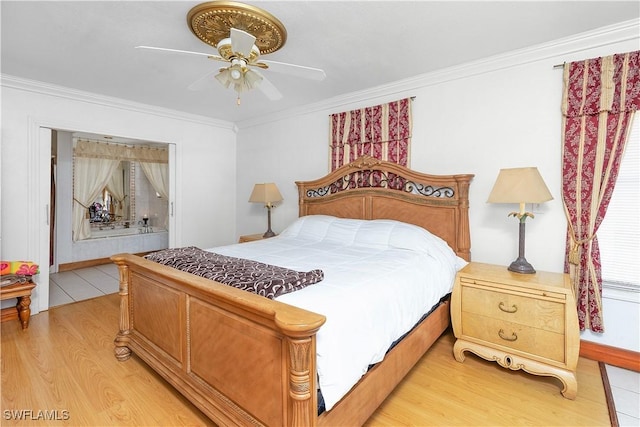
22	310
251	238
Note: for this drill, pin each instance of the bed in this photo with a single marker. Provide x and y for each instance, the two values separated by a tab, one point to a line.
248	360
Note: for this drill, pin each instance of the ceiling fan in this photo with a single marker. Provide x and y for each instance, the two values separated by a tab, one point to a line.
241	33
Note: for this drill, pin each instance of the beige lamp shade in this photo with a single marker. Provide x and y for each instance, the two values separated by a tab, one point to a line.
266	193
519	185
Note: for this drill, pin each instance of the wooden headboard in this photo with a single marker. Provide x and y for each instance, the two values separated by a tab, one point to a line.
369	188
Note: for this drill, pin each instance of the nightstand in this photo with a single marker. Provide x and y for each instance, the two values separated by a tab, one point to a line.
521	321
251	238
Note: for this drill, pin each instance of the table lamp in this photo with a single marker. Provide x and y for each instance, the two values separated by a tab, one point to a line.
267	194
520	185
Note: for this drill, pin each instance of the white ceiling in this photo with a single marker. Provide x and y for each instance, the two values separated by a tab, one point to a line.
89	45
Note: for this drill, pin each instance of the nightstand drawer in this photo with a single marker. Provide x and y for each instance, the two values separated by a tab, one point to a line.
531	341
524	310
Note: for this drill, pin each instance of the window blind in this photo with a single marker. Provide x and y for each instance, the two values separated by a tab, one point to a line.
619	233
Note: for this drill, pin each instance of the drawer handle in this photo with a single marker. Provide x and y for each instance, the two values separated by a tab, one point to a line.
513	309
513	336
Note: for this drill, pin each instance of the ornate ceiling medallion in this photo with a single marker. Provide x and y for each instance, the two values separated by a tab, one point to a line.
212	22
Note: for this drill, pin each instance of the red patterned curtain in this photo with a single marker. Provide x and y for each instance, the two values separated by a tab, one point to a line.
382	131
599	100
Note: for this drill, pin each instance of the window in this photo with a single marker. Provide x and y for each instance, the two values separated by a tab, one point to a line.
619	233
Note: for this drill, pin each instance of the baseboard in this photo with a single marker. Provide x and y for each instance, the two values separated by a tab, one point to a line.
615	356
8	313
83	264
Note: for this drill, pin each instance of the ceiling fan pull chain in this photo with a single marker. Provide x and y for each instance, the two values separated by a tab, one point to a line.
238	100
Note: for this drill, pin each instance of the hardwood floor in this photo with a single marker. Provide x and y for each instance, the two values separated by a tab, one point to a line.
61	371
442	392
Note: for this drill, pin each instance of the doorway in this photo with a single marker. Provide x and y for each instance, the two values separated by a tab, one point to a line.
114	213
43	183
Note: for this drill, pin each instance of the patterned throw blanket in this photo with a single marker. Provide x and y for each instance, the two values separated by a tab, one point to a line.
263	279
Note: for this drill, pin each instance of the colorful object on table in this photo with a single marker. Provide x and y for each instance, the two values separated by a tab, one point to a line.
21	268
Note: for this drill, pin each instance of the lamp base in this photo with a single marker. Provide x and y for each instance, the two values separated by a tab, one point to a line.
268	234
520	265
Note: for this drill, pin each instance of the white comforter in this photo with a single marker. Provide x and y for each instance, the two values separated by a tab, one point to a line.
380	278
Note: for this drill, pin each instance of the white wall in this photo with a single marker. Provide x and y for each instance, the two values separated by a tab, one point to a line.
280	152
477	118
205	168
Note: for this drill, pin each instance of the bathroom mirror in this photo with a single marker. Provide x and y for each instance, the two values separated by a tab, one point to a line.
116	202
116	186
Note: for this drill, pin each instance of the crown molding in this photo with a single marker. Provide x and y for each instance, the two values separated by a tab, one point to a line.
39	87
568	49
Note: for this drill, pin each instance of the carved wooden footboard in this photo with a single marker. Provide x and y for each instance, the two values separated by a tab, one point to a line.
241	358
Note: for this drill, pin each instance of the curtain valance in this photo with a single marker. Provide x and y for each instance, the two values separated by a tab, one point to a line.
99	150
595	85
381	131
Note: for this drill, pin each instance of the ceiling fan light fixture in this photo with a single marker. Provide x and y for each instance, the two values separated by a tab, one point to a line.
252	79
242	79
235	74
224	77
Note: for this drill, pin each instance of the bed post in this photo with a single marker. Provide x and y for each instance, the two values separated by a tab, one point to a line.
302	405
301	382
463	232
122	350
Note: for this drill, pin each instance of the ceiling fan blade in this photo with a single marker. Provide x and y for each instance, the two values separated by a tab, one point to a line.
205	82
296	70
187	52
267	88
242	42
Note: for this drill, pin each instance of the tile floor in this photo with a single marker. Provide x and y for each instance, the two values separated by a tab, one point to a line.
85	283
625	387
81	284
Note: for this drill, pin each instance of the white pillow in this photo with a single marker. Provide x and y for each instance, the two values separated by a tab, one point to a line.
379	233
311	227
